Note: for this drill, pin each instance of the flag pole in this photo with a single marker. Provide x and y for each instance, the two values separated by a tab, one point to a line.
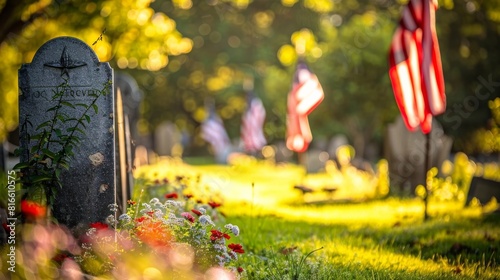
427	167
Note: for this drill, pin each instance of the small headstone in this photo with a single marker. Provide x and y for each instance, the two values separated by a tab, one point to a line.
316	160
141	156
405	151
484	190
283	154
166	137
89	184
335	143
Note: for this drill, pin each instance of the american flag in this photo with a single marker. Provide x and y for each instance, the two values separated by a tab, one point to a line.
252	133
305	96
415	66
213	131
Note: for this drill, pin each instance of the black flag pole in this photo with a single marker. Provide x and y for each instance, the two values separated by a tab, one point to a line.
427	166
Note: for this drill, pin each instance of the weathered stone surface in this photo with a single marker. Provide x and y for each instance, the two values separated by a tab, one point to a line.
405	152
89	184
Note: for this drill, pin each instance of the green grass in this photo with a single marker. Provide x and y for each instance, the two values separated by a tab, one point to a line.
448	247
290	236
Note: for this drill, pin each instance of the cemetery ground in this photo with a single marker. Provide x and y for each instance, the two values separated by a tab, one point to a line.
288	235
352	233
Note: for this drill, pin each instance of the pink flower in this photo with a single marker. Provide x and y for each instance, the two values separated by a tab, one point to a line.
188	216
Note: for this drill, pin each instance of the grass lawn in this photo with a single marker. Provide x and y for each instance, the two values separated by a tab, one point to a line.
290	236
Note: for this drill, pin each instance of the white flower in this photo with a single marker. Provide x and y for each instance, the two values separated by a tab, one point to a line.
113	207
202	210
124	217
235	230
110	220
91	231
206	220
154	200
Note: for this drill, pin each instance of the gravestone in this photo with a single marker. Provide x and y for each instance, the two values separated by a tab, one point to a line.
132	97
167	136
336	142
484	190
405	152
316	160
88	187
123	182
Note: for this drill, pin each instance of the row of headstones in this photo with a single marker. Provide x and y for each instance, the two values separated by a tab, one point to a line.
100	172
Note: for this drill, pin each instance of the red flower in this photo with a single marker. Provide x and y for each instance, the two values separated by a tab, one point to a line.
196	212
240	269
188	216
131	202
155	234
33	209
172	195
140	219
214	204
99	225
59	258
218	235
150	213
237	248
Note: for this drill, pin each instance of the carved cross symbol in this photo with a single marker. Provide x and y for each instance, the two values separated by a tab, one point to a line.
65	63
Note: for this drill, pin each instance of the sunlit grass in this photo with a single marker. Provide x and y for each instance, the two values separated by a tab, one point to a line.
361	238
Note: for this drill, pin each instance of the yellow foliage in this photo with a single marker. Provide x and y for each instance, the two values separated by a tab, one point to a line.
287	55
320	6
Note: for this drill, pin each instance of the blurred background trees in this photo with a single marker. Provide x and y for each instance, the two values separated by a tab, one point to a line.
184	51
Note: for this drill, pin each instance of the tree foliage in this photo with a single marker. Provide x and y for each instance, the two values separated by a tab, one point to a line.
182	52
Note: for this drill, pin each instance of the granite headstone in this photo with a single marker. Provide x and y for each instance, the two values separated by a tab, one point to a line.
88	187
405	151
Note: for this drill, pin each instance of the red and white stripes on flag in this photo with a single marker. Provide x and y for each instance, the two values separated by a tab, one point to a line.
252	133
305	96
415	66
213	131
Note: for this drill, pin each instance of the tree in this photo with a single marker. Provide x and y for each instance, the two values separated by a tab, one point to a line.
125	32
183	51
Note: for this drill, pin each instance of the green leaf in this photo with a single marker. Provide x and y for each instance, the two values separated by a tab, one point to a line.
85	106
87	117
21	165
64	165
49	153
65	103
61	117
58	132
82	123
47	123
40	178
95	108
